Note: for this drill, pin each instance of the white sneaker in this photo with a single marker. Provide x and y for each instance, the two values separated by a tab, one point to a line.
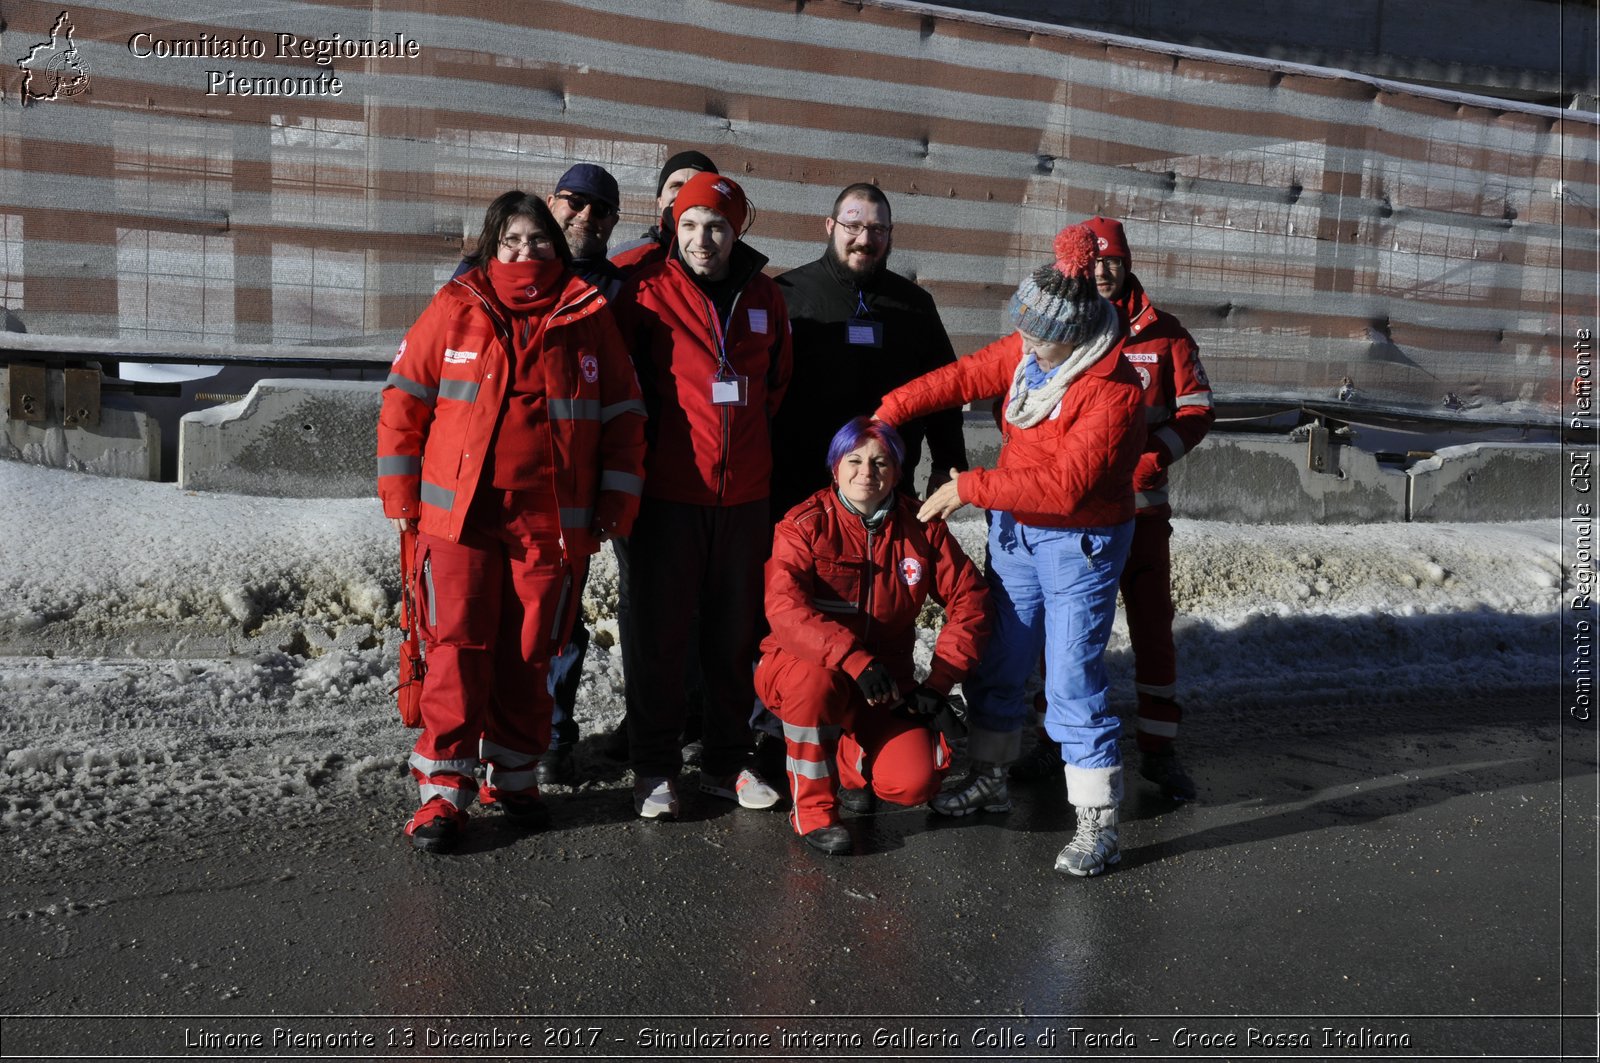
655	796
747	788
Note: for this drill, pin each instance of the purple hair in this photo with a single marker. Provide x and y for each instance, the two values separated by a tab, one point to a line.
856	432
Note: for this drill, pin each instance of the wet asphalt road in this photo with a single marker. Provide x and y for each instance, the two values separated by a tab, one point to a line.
1370	870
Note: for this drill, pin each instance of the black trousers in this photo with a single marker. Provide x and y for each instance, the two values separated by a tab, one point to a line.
684	559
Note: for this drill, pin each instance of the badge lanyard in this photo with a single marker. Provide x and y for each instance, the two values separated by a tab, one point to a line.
727	387
862	330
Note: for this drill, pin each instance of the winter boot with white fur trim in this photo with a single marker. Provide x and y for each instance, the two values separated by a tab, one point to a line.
1095	793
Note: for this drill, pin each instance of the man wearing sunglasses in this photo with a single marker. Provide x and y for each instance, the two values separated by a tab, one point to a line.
860	331
585	205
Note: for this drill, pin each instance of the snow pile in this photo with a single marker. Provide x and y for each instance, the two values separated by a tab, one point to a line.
178	658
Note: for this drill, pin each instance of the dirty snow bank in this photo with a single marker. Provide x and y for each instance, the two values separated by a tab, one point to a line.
180	658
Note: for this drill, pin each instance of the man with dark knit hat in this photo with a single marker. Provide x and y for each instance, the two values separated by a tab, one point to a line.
860	330
1060	502
652	246
710	340
1178	414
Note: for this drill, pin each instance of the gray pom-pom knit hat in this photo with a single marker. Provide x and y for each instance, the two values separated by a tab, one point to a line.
1059	302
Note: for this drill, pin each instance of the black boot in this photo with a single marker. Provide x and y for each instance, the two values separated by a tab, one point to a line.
1163	769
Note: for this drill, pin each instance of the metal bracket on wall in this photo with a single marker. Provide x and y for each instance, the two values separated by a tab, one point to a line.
27	392
1319	452
81	398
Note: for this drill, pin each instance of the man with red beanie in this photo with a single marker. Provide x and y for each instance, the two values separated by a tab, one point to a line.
710	340
1178	414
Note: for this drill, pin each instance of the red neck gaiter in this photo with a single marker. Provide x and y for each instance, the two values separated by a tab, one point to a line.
530	287
520	457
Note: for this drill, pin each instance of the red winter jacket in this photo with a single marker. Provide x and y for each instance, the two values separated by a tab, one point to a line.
1074	469
637	257
1177	396
446	390
839	596
703	454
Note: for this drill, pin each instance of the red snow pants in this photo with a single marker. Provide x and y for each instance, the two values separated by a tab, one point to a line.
1147	596
493	608
828	724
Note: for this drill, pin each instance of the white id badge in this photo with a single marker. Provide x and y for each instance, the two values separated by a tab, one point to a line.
730	391
862	332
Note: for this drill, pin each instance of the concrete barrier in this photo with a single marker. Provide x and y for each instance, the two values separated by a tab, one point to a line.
1266	479
288	439
126	443
295	438
1488	482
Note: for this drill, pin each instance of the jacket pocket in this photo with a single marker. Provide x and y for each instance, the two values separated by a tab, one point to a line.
837	587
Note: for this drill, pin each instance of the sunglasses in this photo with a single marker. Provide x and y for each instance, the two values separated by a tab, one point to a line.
579	202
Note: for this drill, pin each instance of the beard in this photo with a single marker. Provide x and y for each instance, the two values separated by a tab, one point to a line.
875	270
584	244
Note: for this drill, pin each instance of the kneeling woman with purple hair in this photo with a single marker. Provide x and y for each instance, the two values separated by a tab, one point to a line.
850	570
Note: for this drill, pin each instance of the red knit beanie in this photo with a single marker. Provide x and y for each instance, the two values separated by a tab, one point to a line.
1110	240
714	192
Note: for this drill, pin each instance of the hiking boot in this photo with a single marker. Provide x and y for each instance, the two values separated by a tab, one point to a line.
1042	762
655	797
1164	770
834	840
1093	847
862	802
558	767
526	809
747	788
435	827
983	790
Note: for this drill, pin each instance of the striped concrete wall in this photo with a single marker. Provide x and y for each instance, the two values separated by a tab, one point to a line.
1307	227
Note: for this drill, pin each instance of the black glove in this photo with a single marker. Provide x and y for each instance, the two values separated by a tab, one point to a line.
877	685
925	702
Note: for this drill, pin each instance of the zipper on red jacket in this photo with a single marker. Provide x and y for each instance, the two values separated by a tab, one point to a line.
719	335
866	595
550	433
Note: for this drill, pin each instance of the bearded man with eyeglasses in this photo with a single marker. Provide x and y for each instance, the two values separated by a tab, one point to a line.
860	331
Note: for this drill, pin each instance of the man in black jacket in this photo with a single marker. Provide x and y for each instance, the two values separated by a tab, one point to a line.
860	330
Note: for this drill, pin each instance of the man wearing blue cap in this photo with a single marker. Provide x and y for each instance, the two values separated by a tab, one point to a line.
585	204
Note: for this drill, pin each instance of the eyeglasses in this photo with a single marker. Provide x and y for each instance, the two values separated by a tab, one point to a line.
537	242
856	228
580	202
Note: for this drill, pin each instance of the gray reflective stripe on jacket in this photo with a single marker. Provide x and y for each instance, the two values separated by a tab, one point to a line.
626	482
580	517
833	605
617	409
574	409
412	388
399	465
1198	398
434	495
1173	441
460	390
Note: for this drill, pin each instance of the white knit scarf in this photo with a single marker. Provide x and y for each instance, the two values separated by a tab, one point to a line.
1026	407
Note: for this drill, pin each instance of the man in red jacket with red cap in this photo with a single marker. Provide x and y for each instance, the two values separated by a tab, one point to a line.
710	340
